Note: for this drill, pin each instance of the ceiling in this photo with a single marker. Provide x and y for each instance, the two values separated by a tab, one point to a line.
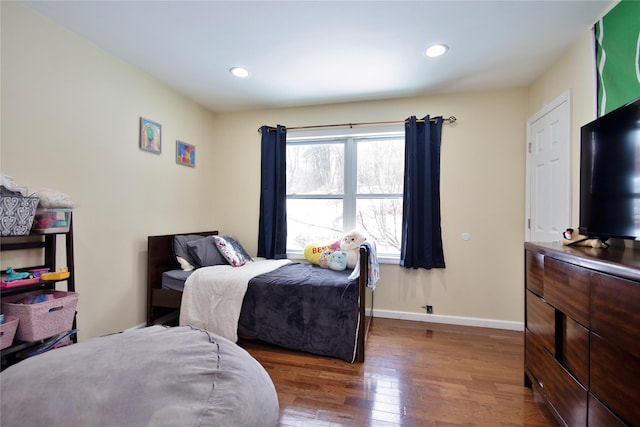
317	52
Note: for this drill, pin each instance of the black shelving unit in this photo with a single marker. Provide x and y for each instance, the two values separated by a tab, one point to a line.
47	243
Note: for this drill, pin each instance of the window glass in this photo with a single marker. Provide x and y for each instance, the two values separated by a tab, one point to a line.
340	182
315	168
381	166
382	221
313	221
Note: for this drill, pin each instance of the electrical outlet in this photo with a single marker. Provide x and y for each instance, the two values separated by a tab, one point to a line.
429	309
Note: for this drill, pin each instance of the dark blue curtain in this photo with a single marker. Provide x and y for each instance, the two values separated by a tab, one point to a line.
272	232
421	231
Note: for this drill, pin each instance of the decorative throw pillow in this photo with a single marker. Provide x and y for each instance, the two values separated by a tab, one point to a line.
238	247
180	249
205	252
227	247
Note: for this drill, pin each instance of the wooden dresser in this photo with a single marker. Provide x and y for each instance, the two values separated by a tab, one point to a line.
582	332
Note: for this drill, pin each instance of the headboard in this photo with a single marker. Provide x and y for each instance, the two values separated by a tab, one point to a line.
161	258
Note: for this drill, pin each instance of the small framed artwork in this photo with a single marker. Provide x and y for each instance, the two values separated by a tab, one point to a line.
150	136
185	154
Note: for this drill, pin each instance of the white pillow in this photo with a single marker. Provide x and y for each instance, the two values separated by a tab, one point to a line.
184	264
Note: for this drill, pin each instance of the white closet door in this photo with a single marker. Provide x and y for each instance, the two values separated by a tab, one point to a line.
548	172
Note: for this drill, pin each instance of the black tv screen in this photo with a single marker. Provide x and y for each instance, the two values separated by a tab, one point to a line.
610	175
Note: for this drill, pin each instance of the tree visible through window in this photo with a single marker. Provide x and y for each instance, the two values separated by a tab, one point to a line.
339	183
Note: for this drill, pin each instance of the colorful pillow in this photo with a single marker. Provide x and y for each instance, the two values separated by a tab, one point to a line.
181	251
232	250
205	252
238	247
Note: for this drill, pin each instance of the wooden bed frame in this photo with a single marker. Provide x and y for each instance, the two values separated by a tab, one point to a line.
163	305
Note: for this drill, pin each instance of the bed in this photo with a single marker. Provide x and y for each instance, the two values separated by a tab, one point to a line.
153	376
328	317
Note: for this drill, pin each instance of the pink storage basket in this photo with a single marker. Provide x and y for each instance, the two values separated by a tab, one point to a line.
42	320
8	331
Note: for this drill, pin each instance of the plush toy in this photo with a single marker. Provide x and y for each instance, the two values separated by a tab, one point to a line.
338	261
324	258
349	244
570	237
313	251
14	275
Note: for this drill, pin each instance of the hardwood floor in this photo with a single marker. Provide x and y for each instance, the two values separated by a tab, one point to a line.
415	374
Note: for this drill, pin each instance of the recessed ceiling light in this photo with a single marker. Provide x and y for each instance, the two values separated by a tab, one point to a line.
239	72
436	50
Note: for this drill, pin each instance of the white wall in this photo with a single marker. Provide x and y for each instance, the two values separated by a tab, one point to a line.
70	116
70	122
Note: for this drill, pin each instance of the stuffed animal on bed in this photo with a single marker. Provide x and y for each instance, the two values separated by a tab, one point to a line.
324	258
350	244
335	260
313	251
338	261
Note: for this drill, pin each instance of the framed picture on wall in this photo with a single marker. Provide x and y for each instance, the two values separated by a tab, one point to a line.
185	154
150	136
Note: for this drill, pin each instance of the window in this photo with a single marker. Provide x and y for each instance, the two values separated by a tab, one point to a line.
340	182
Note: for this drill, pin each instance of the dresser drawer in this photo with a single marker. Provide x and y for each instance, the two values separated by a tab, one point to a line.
536	358
601	416
575	349
568	396
562	391
534	270
615	379
567	288
541	320
615	311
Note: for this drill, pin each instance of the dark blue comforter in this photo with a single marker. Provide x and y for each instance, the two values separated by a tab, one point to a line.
303	307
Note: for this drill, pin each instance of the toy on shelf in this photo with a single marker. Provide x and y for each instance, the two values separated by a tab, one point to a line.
14	275
12	279
61	274
38	272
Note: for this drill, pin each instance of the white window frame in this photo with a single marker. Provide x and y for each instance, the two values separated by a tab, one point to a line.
349	196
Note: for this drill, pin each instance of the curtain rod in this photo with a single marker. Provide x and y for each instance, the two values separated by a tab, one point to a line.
449	120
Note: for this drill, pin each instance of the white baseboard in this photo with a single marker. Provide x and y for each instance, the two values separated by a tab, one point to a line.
450	320
434	318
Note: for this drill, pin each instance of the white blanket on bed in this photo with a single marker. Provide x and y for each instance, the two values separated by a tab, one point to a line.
212	296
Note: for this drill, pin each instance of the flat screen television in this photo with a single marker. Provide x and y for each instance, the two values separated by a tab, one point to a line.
610	175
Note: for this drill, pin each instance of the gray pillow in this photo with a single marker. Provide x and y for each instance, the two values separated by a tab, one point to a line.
204	252
180	246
